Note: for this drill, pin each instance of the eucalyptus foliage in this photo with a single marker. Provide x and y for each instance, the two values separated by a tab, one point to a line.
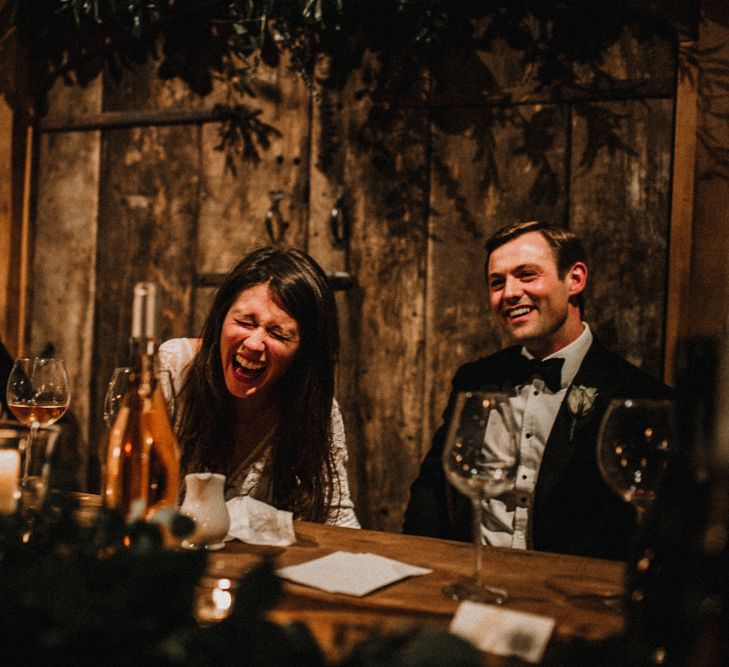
199	40
395	44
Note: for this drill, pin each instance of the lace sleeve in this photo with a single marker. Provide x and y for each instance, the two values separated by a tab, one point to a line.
341	511
175	356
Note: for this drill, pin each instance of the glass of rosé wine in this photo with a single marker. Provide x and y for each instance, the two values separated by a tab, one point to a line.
38	395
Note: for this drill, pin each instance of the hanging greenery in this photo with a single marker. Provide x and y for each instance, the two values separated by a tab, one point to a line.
561	44
200	40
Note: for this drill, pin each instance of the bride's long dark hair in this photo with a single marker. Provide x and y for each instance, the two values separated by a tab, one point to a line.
301	468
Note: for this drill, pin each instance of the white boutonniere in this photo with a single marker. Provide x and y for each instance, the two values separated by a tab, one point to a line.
580	401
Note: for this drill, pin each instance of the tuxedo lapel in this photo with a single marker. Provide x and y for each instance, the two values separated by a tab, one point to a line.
565	437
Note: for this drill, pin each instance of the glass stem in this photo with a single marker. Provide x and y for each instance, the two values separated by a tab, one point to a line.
29	448
477	507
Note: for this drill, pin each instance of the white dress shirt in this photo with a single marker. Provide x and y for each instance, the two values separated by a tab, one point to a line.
506	519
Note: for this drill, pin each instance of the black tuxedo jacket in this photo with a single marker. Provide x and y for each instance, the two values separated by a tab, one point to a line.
574	510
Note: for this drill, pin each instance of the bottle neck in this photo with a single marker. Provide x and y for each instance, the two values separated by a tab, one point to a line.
143	357
145	316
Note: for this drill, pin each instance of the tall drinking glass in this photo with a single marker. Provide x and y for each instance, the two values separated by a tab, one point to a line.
480	460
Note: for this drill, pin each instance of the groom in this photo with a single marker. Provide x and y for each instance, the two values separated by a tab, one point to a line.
564	379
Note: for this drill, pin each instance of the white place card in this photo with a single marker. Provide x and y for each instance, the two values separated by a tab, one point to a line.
503	631
350	573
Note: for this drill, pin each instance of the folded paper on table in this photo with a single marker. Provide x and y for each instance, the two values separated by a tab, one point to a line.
502	631
350	573
255	522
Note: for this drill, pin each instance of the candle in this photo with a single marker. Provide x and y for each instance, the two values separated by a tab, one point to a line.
9	473
214	599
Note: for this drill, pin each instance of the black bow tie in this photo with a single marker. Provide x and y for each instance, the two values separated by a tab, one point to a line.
550	371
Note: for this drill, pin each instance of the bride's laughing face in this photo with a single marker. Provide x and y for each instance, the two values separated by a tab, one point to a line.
258	341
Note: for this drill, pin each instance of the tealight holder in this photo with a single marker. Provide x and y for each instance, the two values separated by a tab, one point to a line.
214	599
9	478
25	473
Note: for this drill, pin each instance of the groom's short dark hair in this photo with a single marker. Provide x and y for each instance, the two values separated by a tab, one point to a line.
566	245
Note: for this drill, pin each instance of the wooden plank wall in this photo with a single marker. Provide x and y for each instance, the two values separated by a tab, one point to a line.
64	270
6	208
426	174
378	155
148	210
710	269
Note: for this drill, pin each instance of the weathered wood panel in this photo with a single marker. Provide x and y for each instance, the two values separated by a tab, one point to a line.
619	205
710	275
234	189
64	258
331	186
385	170
678	288
375	157
234	202
388	259
641	63
6	208
148	213
486	173
637	65
620	195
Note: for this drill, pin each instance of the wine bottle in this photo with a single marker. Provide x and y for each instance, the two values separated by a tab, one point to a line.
676	581
143	462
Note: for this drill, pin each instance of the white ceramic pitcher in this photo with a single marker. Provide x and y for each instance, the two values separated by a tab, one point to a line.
205	504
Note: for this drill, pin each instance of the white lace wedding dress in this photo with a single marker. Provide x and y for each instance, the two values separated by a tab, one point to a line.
250	477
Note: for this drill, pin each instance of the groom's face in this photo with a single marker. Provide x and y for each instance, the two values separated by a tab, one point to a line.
528	297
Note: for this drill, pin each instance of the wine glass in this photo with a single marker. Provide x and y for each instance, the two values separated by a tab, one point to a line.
38	395
115	392
119	385
480	460
636	439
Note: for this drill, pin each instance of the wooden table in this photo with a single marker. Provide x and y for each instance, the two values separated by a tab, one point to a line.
553	585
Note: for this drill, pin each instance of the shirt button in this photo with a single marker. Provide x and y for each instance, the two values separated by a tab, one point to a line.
536	393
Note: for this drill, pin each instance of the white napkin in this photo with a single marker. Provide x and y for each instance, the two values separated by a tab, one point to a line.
350	573
503	631
255	522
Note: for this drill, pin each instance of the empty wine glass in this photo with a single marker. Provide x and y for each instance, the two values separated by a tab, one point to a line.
115	393
119	385
636	439
38	395
480	460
